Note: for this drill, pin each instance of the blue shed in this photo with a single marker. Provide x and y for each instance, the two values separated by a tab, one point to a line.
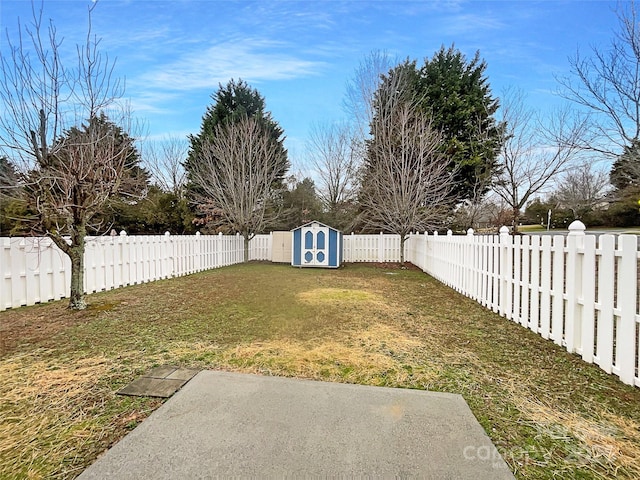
316	245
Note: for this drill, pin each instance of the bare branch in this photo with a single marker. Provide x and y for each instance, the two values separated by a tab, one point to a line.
164	159
331	152
533	151
236	173
582	189
607	84
407	182
70	169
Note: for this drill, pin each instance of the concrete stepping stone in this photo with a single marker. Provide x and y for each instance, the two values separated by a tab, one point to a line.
161	382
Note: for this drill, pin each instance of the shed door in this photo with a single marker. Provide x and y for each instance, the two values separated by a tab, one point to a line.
315	245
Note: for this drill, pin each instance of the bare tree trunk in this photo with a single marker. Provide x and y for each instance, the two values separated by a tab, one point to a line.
76	254
403	239
514	221
75	251
246	247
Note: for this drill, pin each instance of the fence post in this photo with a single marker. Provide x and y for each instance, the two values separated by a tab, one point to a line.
125	259
166	256
626	336
425	245
588	297
524	287
5	273
557	289
468	266
197	253
505	270
573	317
435	263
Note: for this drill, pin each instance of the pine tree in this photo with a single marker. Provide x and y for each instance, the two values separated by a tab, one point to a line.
456	92
232	103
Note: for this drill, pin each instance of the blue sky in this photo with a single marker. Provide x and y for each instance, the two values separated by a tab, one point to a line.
300	54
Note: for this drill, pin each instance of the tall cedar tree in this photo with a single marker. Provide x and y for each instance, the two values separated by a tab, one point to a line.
233	102
625	172
457	95
11	204
625	178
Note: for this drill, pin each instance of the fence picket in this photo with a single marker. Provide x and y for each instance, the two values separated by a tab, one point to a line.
517	279
557	290
534	286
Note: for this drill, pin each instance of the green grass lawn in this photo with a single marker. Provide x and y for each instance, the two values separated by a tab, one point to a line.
550	414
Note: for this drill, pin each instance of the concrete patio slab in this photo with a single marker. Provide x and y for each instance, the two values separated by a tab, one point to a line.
236	425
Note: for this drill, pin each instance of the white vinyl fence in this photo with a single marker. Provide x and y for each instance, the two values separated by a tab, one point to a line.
579	291
34	270
371	248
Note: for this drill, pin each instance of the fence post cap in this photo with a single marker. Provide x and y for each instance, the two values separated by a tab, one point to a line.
166	234
449	232
198	234
123	233
435	234
504	230
577	228
470	231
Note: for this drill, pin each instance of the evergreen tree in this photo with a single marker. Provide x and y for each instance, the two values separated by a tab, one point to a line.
12	205
457	95
133	184
301	204
625	171
233	102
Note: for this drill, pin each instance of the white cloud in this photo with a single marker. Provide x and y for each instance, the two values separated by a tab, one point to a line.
250	59
468	23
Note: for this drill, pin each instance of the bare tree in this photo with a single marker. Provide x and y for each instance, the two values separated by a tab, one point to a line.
407	182
236	172
164	159
361	89
582	189
70	169
331	152
533	151
359	98
607	83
